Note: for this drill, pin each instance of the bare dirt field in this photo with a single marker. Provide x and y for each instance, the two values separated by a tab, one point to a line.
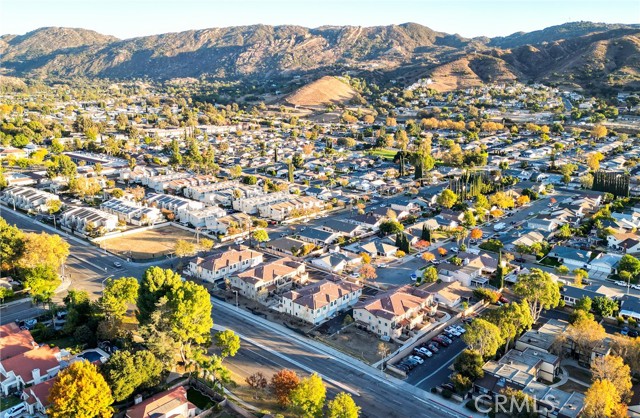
147	244
358	343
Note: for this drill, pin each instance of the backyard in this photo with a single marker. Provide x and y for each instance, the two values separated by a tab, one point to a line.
151	243
387	154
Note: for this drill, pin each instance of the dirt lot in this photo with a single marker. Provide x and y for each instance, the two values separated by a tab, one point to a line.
148	244
358	343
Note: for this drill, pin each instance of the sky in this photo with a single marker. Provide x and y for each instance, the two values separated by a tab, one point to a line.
469	18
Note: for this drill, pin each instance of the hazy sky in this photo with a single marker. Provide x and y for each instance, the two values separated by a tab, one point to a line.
130	18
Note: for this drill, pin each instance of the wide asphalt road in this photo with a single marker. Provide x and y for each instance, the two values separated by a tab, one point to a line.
267	345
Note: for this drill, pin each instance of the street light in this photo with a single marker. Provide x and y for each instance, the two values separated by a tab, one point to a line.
104	280
236	292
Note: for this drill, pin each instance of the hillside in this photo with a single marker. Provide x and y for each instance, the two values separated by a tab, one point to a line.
403	52
326	90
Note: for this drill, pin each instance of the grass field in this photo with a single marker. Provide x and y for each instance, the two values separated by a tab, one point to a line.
384	153
147	244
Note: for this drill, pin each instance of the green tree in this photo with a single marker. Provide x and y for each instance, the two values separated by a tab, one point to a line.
483	336
125	372
469	363
512	319
156	283
604	306
540	291
42	282
342	406
260	235
117	294
564	232
430	275
297	160
190	318
307	399
447	198
391	227
11	245
80	391
469	219
53	206
61	165
228	342
235	171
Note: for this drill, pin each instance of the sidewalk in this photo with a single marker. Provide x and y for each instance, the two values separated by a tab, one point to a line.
437	402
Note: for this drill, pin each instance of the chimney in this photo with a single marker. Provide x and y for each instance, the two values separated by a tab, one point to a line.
36	374
137	399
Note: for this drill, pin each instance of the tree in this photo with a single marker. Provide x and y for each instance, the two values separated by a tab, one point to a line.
447	198
476	234
391	227
483	336
602	400
613	369
366	258
593	160
630	264
512	319
502	200
579	275
469	219
260	235
469	363
257	382
567	171
523	200
184	248
599	131
125	372
53	206
85	186
428	256
539	289
520	404
564	232
11	245
228	342
283	383
156	283
80	391
43	249
430	274
442	251
584	334
117	294
190	318
297	160
206	244
307	399
342	406
235	171
250	180
61	165
42	281
605	307
368	272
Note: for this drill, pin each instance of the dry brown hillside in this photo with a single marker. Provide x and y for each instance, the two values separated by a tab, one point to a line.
470	71
324	91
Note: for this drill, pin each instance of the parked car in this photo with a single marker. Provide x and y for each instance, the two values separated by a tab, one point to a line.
433	347
624	331
117	264
448	386
445	338
461	329
424	351
633	333
16	410
621	283
417	359
633	286
455	249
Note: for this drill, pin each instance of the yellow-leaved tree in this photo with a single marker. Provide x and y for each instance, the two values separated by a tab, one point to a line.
80	391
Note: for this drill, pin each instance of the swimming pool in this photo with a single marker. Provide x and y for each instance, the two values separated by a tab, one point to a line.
91	356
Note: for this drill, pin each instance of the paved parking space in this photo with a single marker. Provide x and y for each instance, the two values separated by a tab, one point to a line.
435	370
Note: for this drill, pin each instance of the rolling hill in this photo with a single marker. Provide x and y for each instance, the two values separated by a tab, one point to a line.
584	54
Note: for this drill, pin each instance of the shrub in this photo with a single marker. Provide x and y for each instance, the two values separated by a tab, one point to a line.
632	322
487	295
471	404
447	394
620	320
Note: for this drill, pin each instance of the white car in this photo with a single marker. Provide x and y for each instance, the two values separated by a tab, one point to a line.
416	359
355	275
425	352
16	410
117	264
621	283
635	286
455	249
460	329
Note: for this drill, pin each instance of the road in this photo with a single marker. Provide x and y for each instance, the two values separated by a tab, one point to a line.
273	349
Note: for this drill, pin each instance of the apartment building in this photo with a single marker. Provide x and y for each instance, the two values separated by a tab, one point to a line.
131	212
27	198
317	302
79	218
250	205
178	205
206	217
394	312
267	279
222	265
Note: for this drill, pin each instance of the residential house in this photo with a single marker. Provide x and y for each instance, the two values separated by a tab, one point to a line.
171	403
524	238
630	306
318	237
229	224
206	217
318	302
366	221
628	242
377	248
571	294
36	397
450	294
285	245
28	198
267	279
79	218
573	258
543	338
336	261
340	227
604	263
543	223
395	312
222	265
293	207
469	276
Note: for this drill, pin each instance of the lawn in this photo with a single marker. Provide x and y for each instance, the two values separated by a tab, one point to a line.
8	402
387	154
550	262
198	399
148	244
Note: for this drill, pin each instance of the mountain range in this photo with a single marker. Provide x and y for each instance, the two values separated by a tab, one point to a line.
582	54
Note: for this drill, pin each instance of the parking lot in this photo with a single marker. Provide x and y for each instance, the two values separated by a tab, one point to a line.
435	370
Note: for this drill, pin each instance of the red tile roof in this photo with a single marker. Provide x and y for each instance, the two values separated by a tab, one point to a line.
14	341
43	358
160	404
